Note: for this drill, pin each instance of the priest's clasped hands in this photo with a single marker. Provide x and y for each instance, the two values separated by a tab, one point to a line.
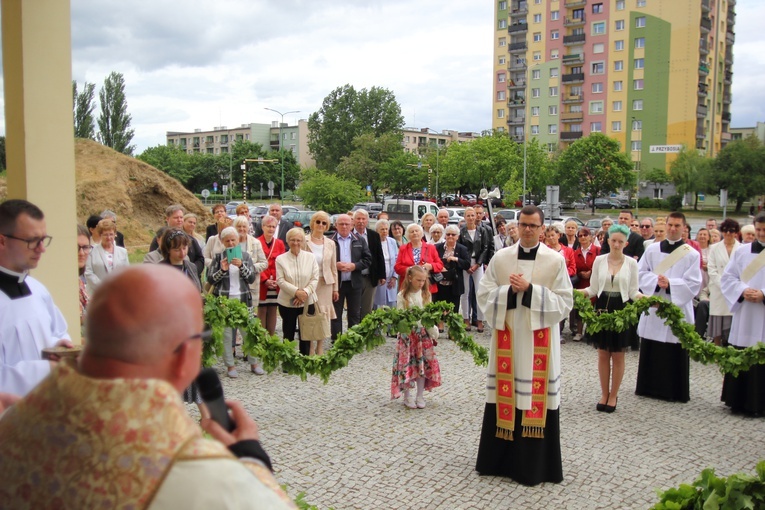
753	295
518	282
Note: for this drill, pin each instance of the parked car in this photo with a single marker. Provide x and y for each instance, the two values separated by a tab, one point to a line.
509	214
450	199
593	223
258	211
300	219
566	219
373	208
288	209
468	200
606	203
455	215
573	205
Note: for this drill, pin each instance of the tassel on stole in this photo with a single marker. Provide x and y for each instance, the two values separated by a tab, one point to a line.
505	434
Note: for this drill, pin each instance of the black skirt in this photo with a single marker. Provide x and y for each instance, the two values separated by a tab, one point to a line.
663	371
610	340
528	461
746	392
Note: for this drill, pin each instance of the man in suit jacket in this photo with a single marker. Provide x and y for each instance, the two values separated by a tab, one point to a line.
353	257
174	219
282	227
635	242
375	275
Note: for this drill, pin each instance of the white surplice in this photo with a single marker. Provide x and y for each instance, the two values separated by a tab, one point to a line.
716	264
748	326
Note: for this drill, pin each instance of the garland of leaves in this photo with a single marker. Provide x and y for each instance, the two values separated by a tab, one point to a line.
729	359
221	313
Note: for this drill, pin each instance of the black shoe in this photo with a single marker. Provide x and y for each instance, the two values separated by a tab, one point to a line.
600	407
611	409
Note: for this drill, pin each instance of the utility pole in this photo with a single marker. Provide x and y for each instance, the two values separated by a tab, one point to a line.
281	195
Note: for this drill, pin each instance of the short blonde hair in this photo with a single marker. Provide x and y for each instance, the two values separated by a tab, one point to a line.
295	232
411	227
319	215
241	220
268	219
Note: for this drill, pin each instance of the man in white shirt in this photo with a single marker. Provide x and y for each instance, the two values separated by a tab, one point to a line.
29	320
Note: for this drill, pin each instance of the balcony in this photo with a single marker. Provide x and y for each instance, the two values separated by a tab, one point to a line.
705	6
573	39
726	116
519	9
196	145
703	47
516	102
567	136
517	138
725	137
573	22
702	90
223	141
517	46
700	144
572	116
729	56
570	4
573	78
728	77
706	23
515	85
518	64
726	98
573	98
570	60
703	69
517	121
700	134
517	28
730	36
701	111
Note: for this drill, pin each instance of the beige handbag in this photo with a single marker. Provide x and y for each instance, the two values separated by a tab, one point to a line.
313	327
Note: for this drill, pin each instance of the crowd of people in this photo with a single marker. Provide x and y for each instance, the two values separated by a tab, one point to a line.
517	280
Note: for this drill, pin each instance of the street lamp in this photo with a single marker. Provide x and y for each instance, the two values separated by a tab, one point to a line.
638	124
281	195
527	114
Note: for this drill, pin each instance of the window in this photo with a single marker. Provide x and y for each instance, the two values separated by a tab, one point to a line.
553	72
597	8
639	42
576	128
637	84
537	18
553	91
618	86
597	88
502	24
618	65
552	147
537	36
658	193
619	24
503	5
501	78
640	22
619	5
616	106
535	111
637	125
637	145
552	110
616	125
554	35
596	127
639	63
596	106
578	14
537	56
554	15
535	74
502	61
599	28
619	45
534	92
598	48
637	104
500	129
552	129
553	54
500	113
598	68
293	136
575	108
502	42
640	3
501	95
534	130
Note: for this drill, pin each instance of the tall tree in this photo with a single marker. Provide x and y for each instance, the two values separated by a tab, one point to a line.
114	122
595	166
690	173
84	105
368	158
740	168
347	113
322	191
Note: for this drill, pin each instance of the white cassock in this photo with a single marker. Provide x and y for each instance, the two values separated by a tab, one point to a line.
748	327
684	283
28	324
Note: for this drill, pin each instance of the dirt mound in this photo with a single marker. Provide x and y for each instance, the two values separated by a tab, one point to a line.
137	192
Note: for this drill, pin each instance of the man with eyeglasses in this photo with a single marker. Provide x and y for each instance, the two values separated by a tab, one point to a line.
524	294
29	320
119	408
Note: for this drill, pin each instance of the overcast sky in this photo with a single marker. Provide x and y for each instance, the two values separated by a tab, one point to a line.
199	64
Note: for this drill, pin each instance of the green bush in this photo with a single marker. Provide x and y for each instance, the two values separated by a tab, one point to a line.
675	202
321	191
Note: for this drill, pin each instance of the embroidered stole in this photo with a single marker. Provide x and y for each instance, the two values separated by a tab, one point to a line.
753	267
533	420
672	259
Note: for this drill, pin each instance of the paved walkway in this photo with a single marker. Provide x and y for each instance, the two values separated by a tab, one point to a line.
348	446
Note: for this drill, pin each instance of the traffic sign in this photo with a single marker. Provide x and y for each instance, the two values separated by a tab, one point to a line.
270	184
665	149
205	193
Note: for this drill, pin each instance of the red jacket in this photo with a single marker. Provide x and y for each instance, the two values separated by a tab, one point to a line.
277	248
585	264
428	255
568	254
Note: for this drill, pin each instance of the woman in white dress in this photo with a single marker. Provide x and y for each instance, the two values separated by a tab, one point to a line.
385	295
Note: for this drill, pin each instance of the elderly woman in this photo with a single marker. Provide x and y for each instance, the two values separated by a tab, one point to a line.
397	232
219	214
190	227
605	224
250	244
584	257
323	249
105	257
427	221
243	211
385	295
569	237
500	240
748	234
720	316
436	233
297	276
456	260
174	247
418	253
83	250
231	277
269	290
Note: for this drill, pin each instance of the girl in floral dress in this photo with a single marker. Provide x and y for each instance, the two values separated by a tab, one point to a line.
415	361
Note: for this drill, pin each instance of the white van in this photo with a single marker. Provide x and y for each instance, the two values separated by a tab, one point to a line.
409	211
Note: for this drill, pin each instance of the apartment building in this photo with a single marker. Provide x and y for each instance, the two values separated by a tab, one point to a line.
646	72
417	140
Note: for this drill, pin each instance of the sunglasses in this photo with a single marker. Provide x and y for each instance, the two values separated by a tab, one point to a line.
645	226
728	231
320	222
583	235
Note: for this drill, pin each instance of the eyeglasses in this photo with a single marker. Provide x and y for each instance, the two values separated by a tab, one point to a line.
583	235
205	336
84	248
645	226
321	222
33	243
451	235
728	231
530	226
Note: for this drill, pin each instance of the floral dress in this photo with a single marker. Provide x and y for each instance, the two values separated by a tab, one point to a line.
415	355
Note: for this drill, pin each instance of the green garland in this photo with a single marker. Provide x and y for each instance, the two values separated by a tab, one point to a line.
221	313
729	359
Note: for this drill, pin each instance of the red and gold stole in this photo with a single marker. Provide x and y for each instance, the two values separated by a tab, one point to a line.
533	420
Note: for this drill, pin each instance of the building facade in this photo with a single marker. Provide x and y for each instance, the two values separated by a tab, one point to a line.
645	72
419	140
741	133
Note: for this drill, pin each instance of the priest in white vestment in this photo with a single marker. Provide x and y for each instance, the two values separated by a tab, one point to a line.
743	285
670	270
524	294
